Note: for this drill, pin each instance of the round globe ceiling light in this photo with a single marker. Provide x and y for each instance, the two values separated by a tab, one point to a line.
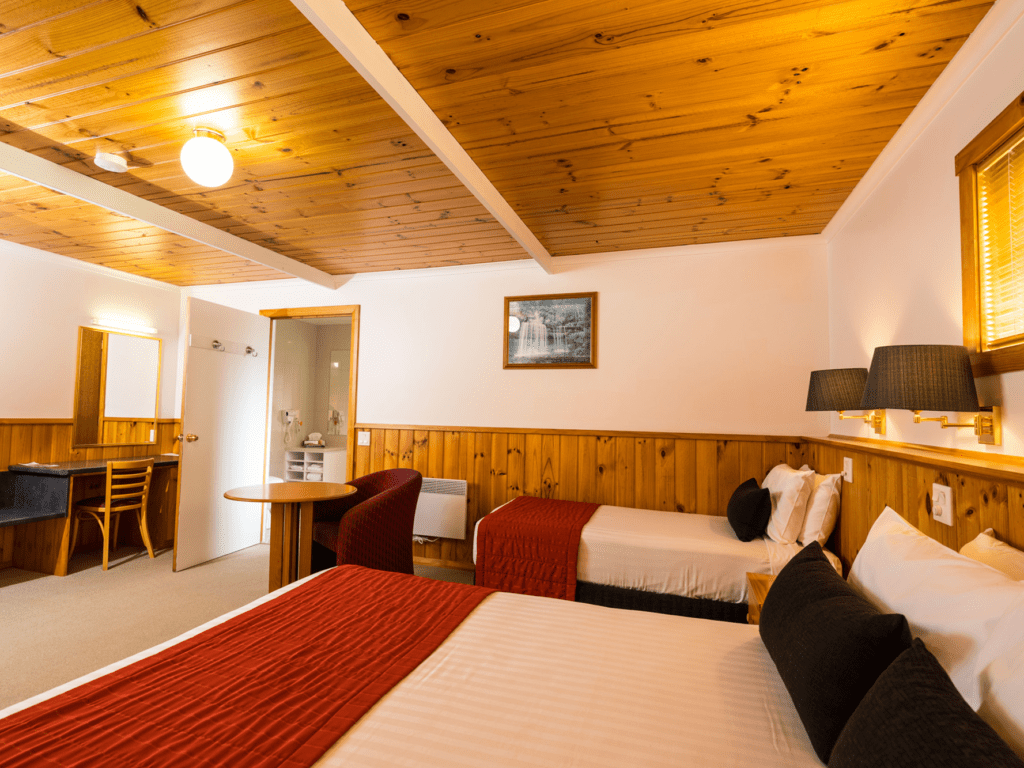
206	160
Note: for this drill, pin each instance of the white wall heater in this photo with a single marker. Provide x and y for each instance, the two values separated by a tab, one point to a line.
441	509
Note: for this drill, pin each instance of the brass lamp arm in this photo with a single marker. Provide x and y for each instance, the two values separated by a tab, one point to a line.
987	425
875	418
943	420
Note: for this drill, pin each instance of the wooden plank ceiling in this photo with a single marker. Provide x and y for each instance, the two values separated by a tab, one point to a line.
606	126
325	172
610	125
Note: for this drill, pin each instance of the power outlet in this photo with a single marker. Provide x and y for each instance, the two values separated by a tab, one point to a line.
362	438
942	504
847	469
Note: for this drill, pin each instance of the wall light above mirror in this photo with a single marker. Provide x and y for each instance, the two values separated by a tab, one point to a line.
117	324
117	388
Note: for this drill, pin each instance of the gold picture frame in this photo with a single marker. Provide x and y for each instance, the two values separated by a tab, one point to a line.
552	330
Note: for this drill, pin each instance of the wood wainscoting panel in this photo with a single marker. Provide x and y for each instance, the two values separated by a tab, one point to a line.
126	431
37	546
988	491
697	473
671	472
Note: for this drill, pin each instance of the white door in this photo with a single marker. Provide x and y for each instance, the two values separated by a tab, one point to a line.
225	409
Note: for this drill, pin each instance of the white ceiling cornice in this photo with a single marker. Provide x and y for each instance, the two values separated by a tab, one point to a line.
14	250
336	23
37	170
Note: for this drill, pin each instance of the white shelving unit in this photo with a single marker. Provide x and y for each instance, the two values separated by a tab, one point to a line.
324	464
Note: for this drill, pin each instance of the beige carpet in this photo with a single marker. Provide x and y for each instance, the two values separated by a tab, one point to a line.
53	630
440	573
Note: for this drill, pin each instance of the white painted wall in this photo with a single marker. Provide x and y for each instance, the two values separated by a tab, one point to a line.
716	339
43	300
894	267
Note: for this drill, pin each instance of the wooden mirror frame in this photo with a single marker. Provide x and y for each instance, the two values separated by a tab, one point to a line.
78	416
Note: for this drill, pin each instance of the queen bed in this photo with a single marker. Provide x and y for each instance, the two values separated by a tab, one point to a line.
527	680
362	668
352	667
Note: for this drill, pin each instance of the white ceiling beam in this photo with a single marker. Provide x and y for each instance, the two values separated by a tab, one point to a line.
25	165
336	23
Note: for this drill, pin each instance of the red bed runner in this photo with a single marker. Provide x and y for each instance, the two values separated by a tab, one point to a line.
530	546
275	686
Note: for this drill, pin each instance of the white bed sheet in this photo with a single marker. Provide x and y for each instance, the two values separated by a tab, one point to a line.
529	681
674	553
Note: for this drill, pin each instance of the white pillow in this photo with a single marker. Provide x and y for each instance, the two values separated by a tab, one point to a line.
951	602
987	549
790	489
1001	672
822	509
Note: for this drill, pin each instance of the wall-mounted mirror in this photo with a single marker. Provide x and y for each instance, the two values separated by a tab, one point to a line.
117	388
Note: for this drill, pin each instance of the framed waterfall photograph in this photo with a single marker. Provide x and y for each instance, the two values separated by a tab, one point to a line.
552	331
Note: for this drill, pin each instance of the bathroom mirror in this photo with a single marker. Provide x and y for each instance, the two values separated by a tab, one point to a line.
337	405
117	388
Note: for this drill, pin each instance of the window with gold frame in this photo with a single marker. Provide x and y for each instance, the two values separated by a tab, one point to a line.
991	172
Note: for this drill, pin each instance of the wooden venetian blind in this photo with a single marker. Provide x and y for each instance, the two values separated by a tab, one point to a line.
1001	242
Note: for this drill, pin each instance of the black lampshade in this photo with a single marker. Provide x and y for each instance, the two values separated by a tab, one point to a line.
836	389
921	377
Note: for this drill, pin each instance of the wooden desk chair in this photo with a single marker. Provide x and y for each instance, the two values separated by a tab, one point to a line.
127	490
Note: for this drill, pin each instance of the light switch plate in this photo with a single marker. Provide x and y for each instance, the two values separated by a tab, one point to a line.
847	469
362	437
942	504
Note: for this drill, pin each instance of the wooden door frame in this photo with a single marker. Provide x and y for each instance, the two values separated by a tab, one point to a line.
305	313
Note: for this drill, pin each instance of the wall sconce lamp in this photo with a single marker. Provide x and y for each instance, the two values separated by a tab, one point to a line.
930	377
841	389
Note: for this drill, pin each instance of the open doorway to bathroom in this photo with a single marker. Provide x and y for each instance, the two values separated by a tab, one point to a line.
312	393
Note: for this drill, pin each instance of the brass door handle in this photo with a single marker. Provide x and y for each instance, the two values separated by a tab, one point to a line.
189	438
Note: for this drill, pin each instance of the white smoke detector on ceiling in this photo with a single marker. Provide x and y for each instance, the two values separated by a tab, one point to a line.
111	162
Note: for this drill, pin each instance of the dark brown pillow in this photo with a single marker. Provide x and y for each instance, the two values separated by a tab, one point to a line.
914	717
828	643
749	510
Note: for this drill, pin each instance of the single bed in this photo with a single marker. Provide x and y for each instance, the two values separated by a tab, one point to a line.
671	562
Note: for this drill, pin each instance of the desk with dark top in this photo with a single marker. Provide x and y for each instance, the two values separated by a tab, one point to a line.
35	493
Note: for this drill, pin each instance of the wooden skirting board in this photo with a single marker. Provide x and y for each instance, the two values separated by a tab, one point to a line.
697	473
34	546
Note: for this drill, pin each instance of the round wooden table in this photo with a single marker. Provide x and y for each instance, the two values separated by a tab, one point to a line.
291	523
